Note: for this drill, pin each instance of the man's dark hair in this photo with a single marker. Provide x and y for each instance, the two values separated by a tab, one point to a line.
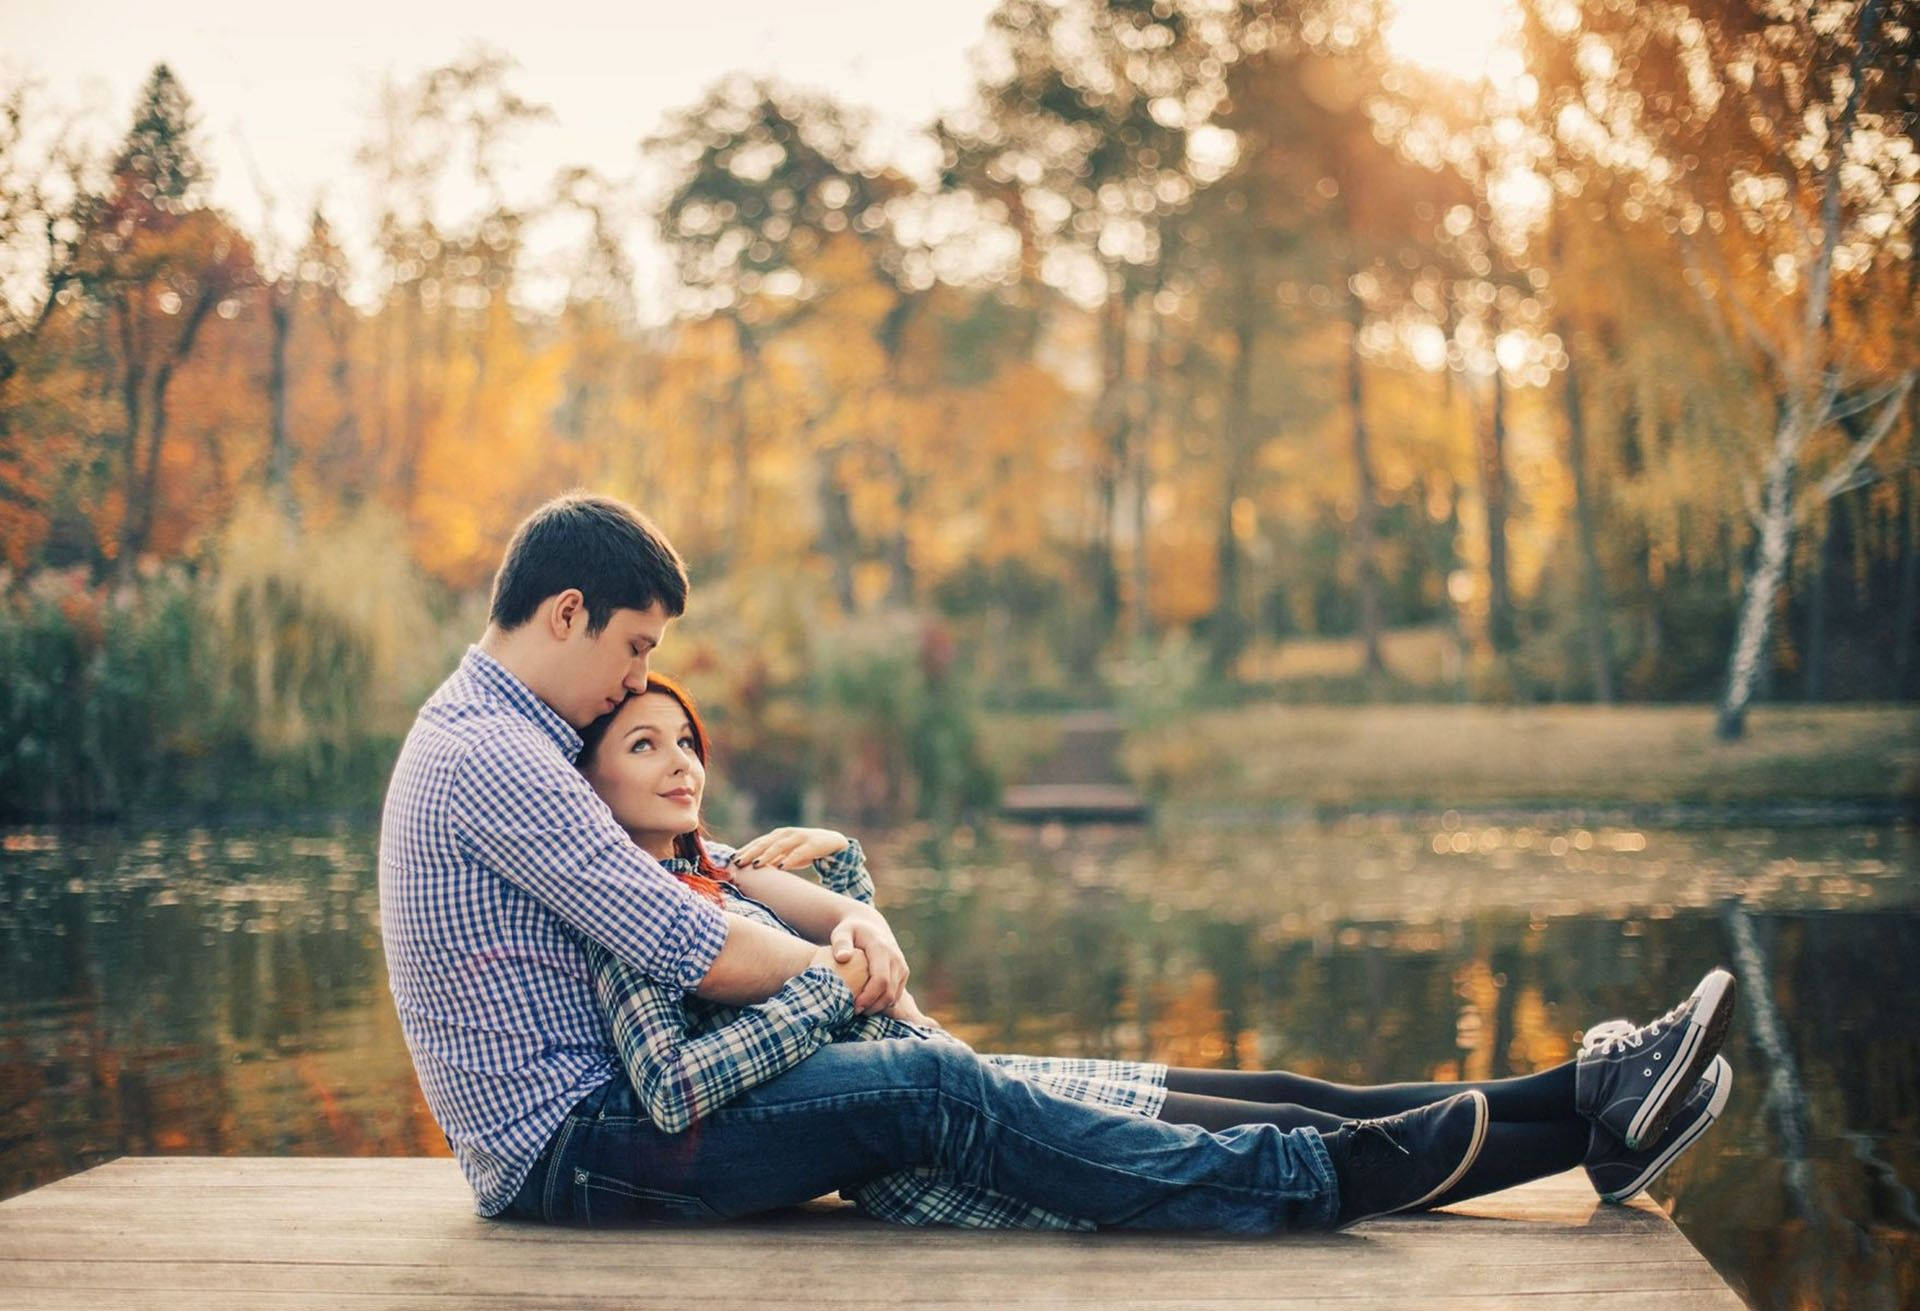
604	547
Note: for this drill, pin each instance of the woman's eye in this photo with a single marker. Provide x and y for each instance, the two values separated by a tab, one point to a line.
641	745
687	742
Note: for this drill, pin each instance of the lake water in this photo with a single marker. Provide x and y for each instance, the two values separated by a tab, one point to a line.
223	991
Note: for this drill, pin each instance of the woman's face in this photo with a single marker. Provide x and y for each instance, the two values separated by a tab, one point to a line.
647	772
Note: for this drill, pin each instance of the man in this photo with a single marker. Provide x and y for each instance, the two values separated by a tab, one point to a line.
498	864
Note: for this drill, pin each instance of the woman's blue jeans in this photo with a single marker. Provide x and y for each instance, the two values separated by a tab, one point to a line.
854	1111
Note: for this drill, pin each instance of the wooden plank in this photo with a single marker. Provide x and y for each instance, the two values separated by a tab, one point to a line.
1089	1279
1560	1198
177	1300
228	1235
1073	802
211	1232
427	1198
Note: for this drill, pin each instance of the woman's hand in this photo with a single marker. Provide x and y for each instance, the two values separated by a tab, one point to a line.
909	1010
790	848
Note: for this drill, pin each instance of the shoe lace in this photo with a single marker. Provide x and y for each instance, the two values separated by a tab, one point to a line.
1605	1031
1618	1035
1372	1145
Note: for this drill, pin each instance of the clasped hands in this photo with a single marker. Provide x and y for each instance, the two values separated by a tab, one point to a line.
861	949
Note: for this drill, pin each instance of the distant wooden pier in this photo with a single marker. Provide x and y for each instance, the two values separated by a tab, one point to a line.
1081	781
207	1233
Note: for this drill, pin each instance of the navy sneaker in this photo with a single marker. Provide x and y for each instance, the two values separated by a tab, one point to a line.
1617	1173
1631	1081
1399	1162
1604	1030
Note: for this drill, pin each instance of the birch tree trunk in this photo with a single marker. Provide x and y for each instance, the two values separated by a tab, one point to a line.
1811	377
1763	583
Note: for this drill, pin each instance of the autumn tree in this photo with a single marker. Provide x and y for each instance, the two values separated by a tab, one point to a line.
775	212
46	207
1775	144
155	265
1093	128
1360	223
327	331
463	393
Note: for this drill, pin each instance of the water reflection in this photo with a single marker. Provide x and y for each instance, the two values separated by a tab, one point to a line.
202	992
187	993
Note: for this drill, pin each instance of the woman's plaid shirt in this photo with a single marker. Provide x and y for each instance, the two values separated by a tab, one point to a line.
688	1056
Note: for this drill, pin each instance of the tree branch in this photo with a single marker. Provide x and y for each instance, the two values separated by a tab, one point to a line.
1749	325
1842	477
1750	497
1864	400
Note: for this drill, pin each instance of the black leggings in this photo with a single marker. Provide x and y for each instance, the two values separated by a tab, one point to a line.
1533	1129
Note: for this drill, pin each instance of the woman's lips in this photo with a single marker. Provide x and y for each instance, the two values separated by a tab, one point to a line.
678	794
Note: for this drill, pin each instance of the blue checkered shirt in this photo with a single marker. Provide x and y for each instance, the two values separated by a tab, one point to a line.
687	1056
498	867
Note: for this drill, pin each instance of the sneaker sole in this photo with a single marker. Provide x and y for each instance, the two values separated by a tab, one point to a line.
1658	1165
1706	1030
1481	1116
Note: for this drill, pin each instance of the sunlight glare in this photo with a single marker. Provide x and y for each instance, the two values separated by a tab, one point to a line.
1458	38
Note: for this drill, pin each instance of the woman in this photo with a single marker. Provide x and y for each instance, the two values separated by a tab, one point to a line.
687	1056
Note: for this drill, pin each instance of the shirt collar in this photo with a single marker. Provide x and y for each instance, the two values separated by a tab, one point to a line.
677	865
495	678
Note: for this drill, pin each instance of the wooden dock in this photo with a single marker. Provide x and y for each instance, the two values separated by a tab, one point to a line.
207	1233
1080	781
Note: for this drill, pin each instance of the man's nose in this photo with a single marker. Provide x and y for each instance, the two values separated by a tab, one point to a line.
637	676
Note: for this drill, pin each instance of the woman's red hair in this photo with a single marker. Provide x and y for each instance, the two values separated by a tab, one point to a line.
692	847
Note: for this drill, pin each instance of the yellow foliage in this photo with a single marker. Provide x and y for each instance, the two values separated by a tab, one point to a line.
293	607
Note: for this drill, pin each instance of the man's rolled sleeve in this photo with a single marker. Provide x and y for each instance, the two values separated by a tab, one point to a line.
695	941
539	826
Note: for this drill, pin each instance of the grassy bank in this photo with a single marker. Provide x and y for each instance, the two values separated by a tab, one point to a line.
1465	755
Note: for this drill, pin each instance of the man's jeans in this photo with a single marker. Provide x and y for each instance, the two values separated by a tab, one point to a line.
854	1111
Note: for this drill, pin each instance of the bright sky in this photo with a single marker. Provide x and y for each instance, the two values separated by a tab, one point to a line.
294	85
